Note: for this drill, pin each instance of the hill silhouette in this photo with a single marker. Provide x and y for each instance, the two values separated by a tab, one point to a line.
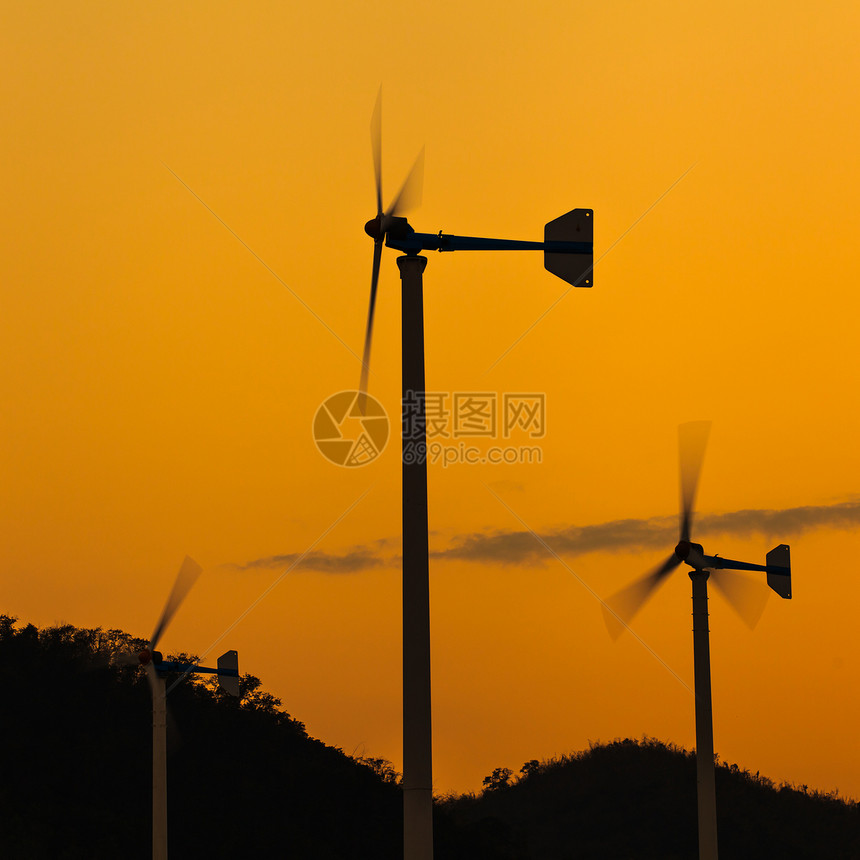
246	780
637	799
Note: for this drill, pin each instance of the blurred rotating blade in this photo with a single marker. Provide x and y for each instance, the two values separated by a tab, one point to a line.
747	596
692	440
619	610
409	196
376	148
368	334
186	578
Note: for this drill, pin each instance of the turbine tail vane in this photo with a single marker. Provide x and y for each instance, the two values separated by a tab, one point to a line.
778	562
228	673
574	226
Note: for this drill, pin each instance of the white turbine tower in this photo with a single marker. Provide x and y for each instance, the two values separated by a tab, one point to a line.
156	668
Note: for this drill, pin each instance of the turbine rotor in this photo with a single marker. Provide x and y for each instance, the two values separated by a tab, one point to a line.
407	198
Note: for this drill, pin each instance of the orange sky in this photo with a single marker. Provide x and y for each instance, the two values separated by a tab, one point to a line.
159	382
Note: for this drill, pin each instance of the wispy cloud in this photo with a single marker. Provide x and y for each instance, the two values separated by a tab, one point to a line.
790	521
352	561
520	547
516	547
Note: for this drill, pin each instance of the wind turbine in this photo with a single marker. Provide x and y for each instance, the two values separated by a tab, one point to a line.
692	438
568	253
156	669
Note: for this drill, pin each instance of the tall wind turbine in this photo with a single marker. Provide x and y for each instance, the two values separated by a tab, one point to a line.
623	606
156	668
568	253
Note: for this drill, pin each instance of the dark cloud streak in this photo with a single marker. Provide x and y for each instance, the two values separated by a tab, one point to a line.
350	562
520	547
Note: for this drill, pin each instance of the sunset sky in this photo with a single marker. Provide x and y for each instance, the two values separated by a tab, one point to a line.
185	280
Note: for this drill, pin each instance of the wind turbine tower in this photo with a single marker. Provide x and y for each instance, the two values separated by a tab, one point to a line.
568	253
692	438
156	671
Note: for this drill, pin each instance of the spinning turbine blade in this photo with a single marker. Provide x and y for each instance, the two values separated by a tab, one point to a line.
627	602
368	334
376	147
376	150
692	439
409	196
746	596
186	578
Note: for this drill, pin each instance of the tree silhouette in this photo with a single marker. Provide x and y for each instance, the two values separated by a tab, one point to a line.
246	780
499	778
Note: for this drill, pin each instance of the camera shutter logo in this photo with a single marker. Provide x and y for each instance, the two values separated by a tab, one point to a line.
350	429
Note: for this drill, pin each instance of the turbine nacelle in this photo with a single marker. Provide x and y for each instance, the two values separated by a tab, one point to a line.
377	228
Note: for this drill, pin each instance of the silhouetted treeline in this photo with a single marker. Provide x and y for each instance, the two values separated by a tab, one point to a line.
637	799
246	780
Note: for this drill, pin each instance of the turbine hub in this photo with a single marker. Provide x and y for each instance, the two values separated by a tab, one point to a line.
146	657
683	549
373	228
